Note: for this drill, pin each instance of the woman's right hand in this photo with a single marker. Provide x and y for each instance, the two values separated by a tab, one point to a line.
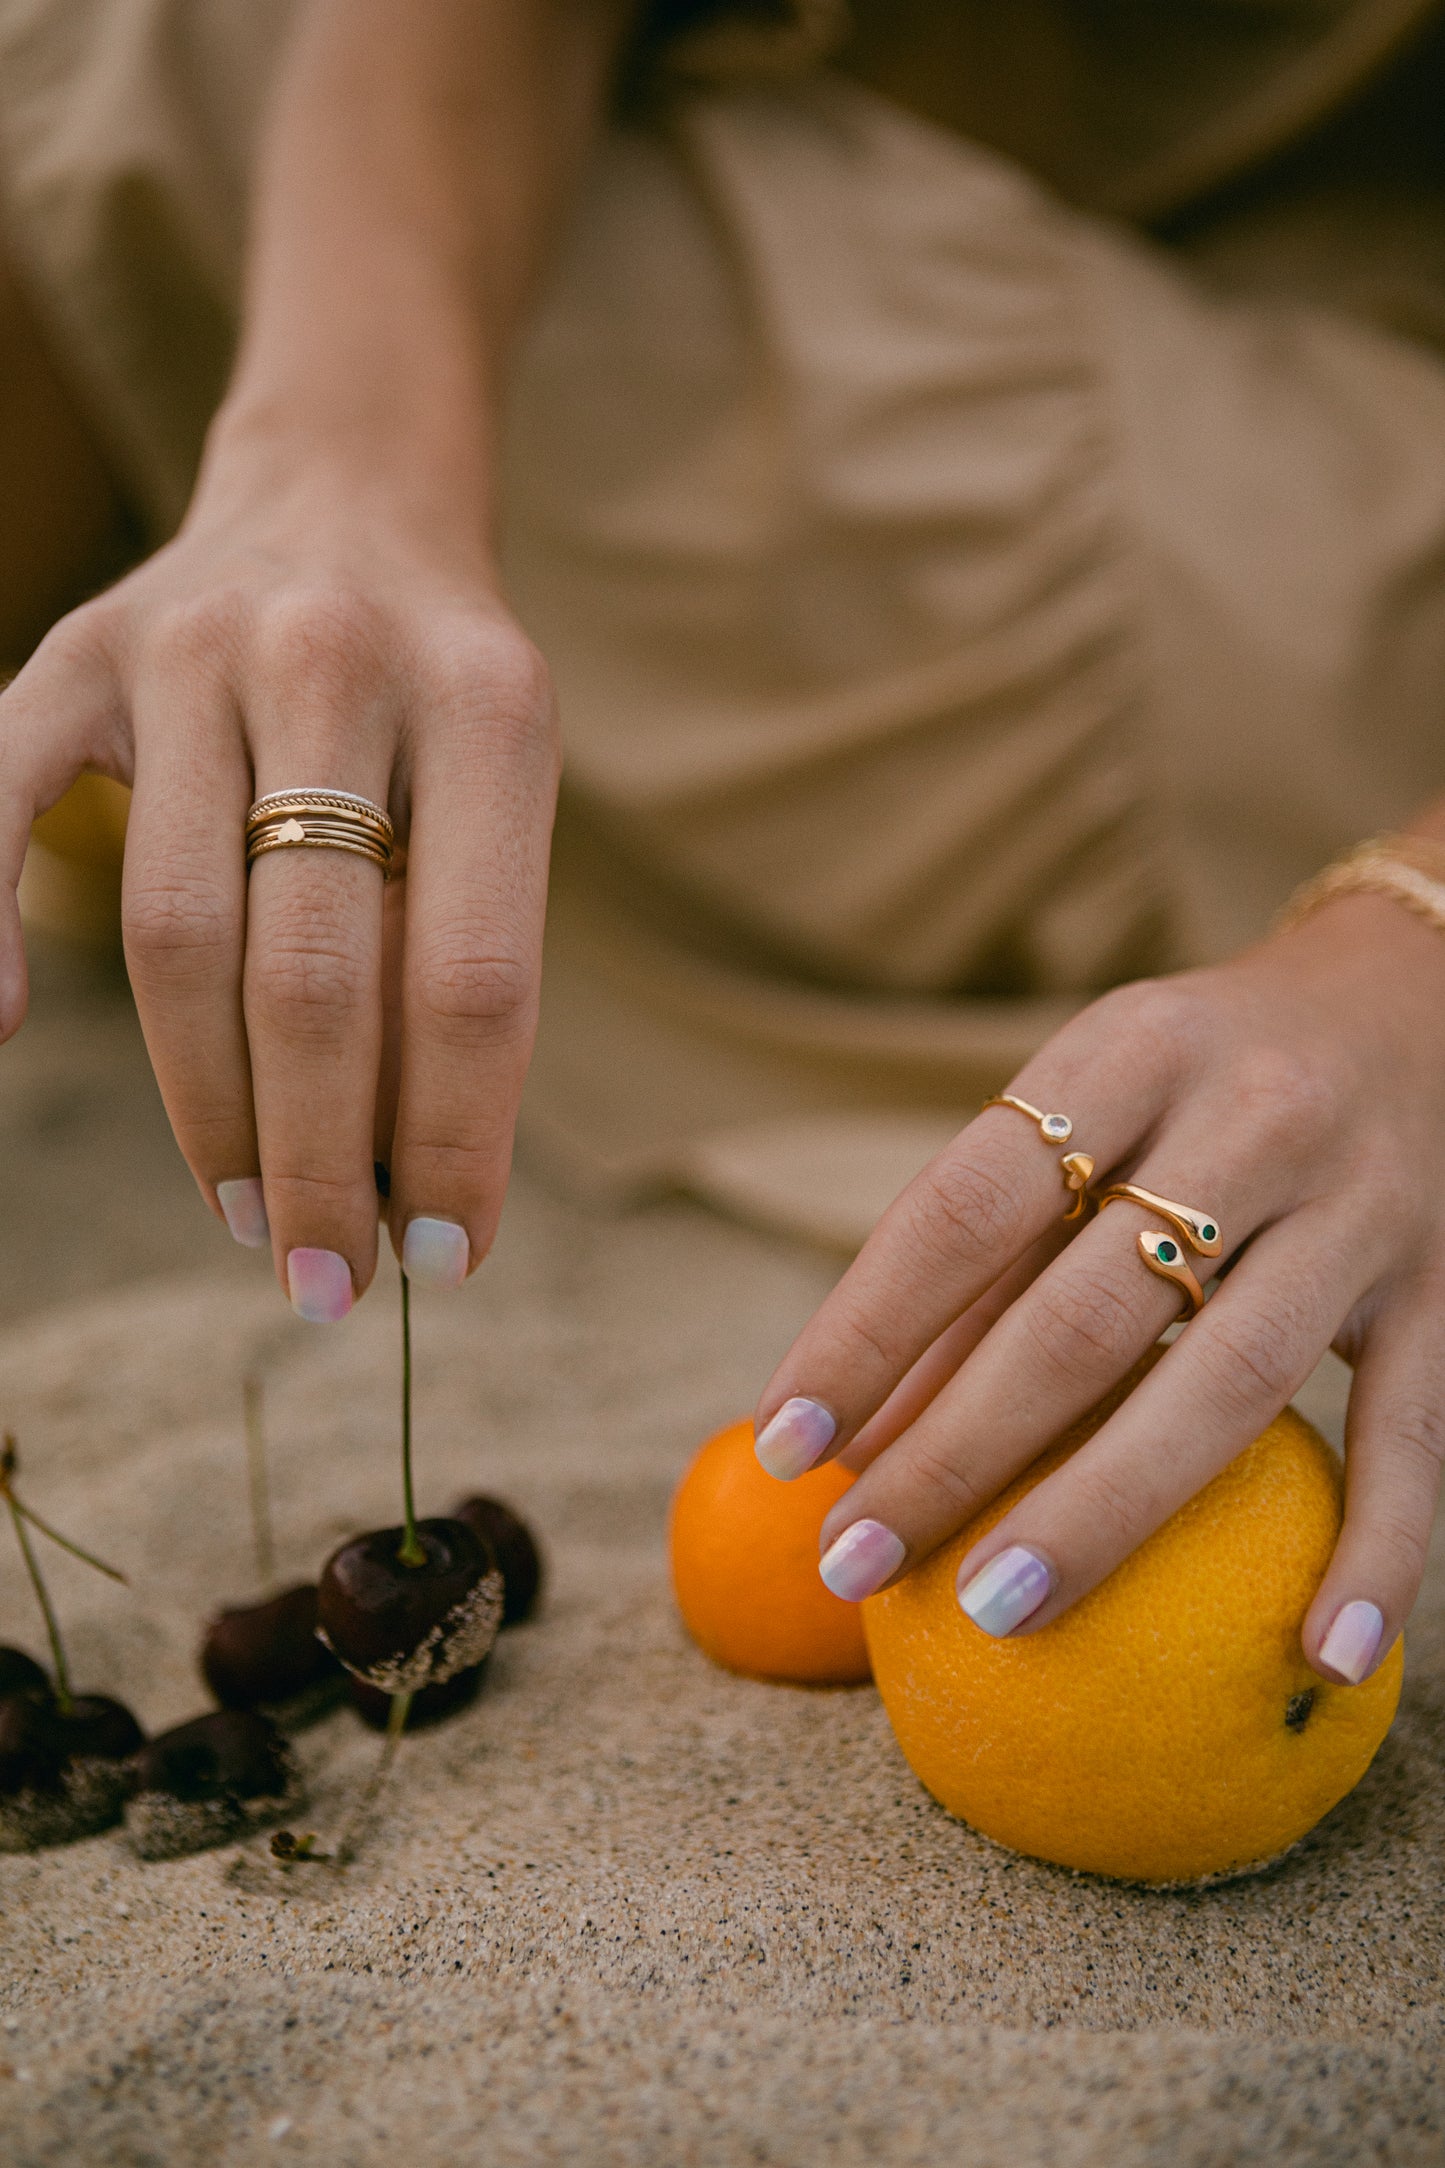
309	628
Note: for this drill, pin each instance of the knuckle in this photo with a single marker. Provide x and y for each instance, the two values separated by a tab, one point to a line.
322	639
1086	1329
1417	1438
1401	1542
86	637
1257	1359
962	1206
1109	1504
479	990
1158	1020
176	930
1280	1095
498	684
199	633
875	1335
951	1487
306	988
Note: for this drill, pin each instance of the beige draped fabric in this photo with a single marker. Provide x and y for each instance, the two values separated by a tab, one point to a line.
958	601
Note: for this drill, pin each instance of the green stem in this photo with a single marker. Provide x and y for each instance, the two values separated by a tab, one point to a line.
52	1628
411	1552
261	1534
75	1549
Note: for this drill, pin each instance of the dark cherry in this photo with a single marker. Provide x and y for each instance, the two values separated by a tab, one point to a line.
206	1782
400	1628
266	1655
64	1774
20	1674
95	1728
227	1753
31	1756
515	1549
432	1705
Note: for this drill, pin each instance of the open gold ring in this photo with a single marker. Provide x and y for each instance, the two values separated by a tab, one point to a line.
1076	1167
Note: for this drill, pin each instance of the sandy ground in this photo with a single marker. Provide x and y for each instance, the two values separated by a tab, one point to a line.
627	1909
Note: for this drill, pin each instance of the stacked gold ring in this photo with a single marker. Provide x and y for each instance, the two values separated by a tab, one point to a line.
328	820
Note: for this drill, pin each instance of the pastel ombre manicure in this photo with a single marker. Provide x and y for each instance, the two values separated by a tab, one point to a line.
1353	1641
861	1560
435	1252
244	1204
1006	1591
796	1439
320	1285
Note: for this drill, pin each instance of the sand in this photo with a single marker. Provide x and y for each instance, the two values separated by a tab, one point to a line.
627	1909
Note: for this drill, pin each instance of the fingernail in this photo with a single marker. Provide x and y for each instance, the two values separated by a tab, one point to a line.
861	1560
1354	1636
1006	1591
244	1204
798	1436
320	1285
435	1252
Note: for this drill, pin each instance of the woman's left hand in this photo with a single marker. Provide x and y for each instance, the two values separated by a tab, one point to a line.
1297	1095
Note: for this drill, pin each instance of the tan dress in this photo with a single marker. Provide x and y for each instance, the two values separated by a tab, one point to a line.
959	599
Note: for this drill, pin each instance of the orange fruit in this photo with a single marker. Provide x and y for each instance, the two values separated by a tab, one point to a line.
744	1552
1167	1728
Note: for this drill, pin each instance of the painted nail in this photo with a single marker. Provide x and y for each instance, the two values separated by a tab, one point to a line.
320	1285
435	1252
1354	1636
861	1560
797	1437
244	1204
1006	1591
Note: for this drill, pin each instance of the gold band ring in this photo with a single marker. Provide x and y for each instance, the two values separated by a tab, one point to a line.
331	820
1165	1257
1055	1129
1199	1229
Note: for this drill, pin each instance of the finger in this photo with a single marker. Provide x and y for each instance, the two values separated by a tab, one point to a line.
940	1364
1395	1439
388	1087
1220	1384
312	976
1071	1334
61	714
184	916
954	1231
483	783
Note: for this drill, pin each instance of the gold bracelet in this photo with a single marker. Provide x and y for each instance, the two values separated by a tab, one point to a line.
1410	870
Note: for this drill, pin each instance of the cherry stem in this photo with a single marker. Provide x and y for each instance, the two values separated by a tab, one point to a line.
356	1827
76	1550
261	1533
52	1626
411	1552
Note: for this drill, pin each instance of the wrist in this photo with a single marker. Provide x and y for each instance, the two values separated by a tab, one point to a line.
1361	945
285	451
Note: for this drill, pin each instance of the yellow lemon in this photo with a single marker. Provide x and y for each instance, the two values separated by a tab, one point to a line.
1167	1728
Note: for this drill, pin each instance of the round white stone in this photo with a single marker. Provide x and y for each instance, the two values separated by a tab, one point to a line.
1057	1127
